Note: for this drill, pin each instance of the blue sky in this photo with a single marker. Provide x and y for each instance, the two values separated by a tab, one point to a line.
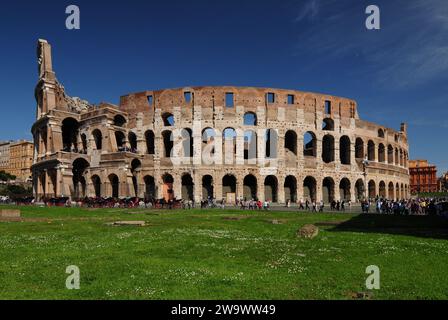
398	73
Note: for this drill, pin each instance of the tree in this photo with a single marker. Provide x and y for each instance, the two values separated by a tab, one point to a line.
4	176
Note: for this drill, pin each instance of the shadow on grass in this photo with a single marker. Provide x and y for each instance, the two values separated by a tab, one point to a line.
418	226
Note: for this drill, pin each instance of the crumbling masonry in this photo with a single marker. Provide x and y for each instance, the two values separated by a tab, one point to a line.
269	144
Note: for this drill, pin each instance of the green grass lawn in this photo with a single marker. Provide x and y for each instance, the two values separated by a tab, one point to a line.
220	254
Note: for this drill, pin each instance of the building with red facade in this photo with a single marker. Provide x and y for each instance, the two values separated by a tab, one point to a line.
423	176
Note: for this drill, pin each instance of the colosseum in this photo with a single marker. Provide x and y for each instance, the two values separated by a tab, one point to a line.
198	143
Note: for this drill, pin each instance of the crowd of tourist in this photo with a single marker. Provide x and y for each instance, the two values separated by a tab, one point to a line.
414	206
417	206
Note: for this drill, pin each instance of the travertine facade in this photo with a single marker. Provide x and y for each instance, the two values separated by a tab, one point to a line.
265	143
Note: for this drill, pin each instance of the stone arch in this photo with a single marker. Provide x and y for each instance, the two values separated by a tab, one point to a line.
132	137
382	190
328	124
391	194
397	157
70	131
229	186
390	154
345	189
120	138
328	189
187	187
271	138
397	191
250	145
380	133
150	142
208	145
98	139
207	187
345	150
136	165
84	143
309	188
271	189
309	144
291	142
167	188
96	182
115	185
79	167
381	153
168	119
328	148
229	145
167	137
187	142
119	120
359	148
150	187
372	189
250	187
290	188
250	119
371	151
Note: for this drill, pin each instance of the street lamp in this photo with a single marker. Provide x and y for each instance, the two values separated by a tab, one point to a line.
365	163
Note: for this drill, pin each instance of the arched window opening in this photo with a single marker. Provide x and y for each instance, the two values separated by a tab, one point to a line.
271	144
229	188
250	119
371	151
250	187
382	190
229	145
328	190
121	141
328	149
119	120
359	149
70	128
250	145
115	184
328	124
98	138
84	143
309	189
291	142
168	119
96	181
372	189
187	142
345	150
149	137
80	166
187	187
290	189
167	143
150	188
309	144
271	189
381	153
133	141
344	189
207	187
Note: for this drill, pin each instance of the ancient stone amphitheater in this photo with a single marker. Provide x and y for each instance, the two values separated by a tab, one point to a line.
220	142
